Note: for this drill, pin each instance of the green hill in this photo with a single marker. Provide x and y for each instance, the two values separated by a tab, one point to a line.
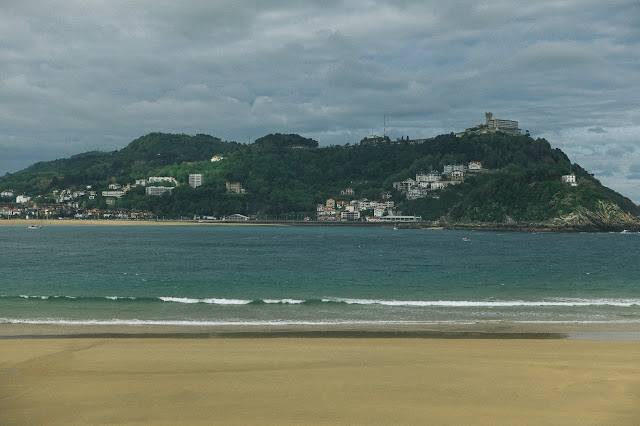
520	181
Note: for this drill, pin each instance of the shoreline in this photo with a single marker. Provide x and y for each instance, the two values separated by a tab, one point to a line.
473	331
528	228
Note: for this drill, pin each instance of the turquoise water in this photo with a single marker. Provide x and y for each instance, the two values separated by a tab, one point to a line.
210	275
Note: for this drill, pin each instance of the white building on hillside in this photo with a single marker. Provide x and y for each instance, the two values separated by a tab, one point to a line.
570	179
195	180
116	194
475	166
158	190
160	179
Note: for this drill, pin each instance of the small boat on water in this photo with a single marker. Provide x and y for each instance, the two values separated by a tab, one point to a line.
466	239
34	226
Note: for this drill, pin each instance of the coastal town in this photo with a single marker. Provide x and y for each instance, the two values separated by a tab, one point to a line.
424	185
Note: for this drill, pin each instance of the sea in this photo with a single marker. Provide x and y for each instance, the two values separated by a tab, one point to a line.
314	275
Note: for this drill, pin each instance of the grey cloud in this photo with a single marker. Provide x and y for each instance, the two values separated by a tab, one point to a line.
619	150
548	55
633	176
104	72
605	169
634	169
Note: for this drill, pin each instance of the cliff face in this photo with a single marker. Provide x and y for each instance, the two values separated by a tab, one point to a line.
606	216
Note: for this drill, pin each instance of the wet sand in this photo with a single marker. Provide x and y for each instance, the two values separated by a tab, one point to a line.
317	380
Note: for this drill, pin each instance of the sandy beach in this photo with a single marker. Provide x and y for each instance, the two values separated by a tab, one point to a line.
186	380
116	222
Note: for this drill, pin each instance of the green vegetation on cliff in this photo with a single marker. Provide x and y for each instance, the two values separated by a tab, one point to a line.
290	175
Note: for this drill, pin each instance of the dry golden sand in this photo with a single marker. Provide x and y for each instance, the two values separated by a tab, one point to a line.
318	380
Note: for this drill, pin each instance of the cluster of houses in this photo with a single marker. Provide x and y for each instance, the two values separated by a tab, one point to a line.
435	181
32	211
67	202
383	209
154	185
334	210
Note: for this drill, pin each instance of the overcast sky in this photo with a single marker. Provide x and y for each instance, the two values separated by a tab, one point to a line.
85	75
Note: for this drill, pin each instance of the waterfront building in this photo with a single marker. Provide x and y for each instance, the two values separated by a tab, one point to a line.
350	215
236	217
401	218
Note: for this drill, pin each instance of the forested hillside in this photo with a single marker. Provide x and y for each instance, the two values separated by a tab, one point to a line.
290	175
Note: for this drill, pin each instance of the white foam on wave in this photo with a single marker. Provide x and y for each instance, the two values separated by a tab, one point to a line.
490	303
550	302
179	299
284	301
197	323
213	301
134	322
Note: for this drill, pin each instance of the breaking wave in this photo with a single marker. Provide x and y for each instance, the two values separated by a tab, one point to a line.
548	302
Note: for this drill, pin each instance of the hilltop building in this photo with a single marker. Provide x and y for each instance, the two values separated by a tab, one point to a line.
494	125
507	126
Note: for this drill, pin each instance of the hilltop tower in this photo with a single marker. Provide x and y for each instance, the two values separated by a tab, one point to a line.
489	117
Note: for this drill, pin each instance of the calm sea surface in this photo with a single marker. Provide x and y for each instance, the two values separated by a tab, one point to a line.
214	275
